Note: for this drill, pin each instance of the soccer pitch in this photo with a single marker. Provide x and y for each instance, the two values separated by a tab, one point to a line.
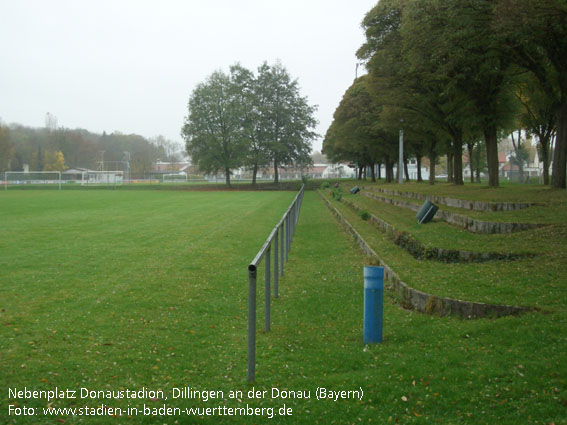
114	289
130	306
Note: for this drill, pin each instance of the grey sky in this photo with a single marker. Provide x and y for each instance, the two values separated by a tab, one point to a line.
130	66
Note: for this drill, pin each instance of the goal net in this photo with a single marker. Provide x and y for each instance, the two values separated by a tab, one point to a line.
113	178
21	178
174	178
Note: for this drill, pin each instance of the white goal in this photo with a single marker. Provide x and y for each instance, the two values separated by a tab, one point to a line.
20	178
113	178
174	178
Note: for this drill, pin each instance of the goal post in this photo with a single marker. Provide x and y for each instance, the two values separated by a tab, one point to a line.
113	178
32	178
174	178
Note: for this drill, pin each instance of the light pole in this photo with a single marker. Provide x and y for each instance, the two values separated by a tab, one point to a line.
401	159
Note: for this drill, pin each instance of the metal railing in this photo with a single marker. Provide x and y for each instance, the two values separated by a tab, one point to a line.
280	239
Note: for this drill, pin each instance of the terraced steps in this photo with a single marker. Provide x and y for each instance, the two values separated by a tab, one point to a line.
482	206
465	222
421	251
422	301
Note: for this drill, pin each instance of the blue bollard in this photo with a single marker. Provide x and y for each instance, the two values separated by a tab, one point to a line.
373	303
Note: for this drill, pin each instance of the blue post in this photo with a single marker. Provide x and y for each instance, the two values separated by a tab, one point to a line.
373	303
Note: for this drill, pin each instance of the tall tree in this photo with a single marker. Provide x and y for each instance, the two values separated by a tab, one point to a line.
538	118
461	42
534	33
253	97
6	149
213	129
355	134
54	161
287	118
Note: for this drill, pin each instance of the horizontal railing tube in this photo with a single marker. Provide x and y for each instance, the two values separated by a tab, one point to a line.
281	234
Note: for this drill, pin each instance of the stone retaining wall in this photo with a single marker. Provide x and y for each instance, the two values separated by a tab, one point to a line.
458	203
422	252
467	223
421	301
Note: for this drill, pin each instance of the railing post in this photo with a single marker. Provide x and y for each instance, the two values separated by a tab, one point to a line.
287	222
251	323
282	235
276	268
268	295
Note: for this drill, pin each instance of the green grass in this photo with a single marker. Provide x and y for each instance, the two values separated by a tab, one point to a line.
443	235
507	192
110	290
551	209
537	281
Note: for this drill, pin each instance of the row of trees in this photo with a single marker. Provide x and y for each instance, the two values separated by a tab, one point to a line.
56	149
456	74
242	119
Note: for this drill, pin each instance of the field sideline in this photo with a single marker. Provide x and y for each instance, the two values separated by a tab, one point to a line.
111	290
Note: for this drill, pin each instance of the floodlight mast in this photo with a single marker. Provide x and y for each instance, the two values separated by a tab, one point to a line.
401	154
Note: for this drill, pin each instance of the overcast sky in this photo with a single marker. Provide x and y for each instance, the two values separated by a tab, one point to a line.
130	66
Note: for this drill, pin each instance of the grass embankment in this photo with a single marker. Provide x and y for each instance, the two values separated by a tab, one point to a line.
440	234
550	207
148	289
535	282
507	192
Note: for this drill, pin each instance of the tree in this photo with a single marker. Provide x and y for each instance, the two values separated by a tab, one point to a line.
171	151
459	38
537	117
534	34
213	129
521	155
286	118
6	148
54	161
355	134
253	96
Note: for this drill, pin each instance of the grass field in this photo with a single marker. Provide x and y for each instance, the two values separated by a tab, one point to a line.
116	290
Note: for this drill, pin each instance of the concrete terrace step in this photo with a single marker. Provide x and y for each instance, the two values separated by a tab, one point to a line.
468	223
422	252
481	206
421	301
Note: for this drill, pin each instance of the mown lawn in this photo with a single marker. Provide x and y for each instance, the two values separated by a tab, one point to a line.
119	290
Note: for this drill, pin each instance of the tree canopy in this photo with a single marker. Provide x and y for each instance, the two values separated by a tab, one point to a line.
463	73
245	120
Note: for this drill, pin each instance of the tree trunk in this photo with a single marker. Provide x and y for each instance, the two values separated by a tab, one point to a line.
450	166
359	176
470	148
431	157
406	172
491	139
379	165
227	175
458	159
544	149
478	164
372	174
419	178
389	170
254	173
276	174
559	154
